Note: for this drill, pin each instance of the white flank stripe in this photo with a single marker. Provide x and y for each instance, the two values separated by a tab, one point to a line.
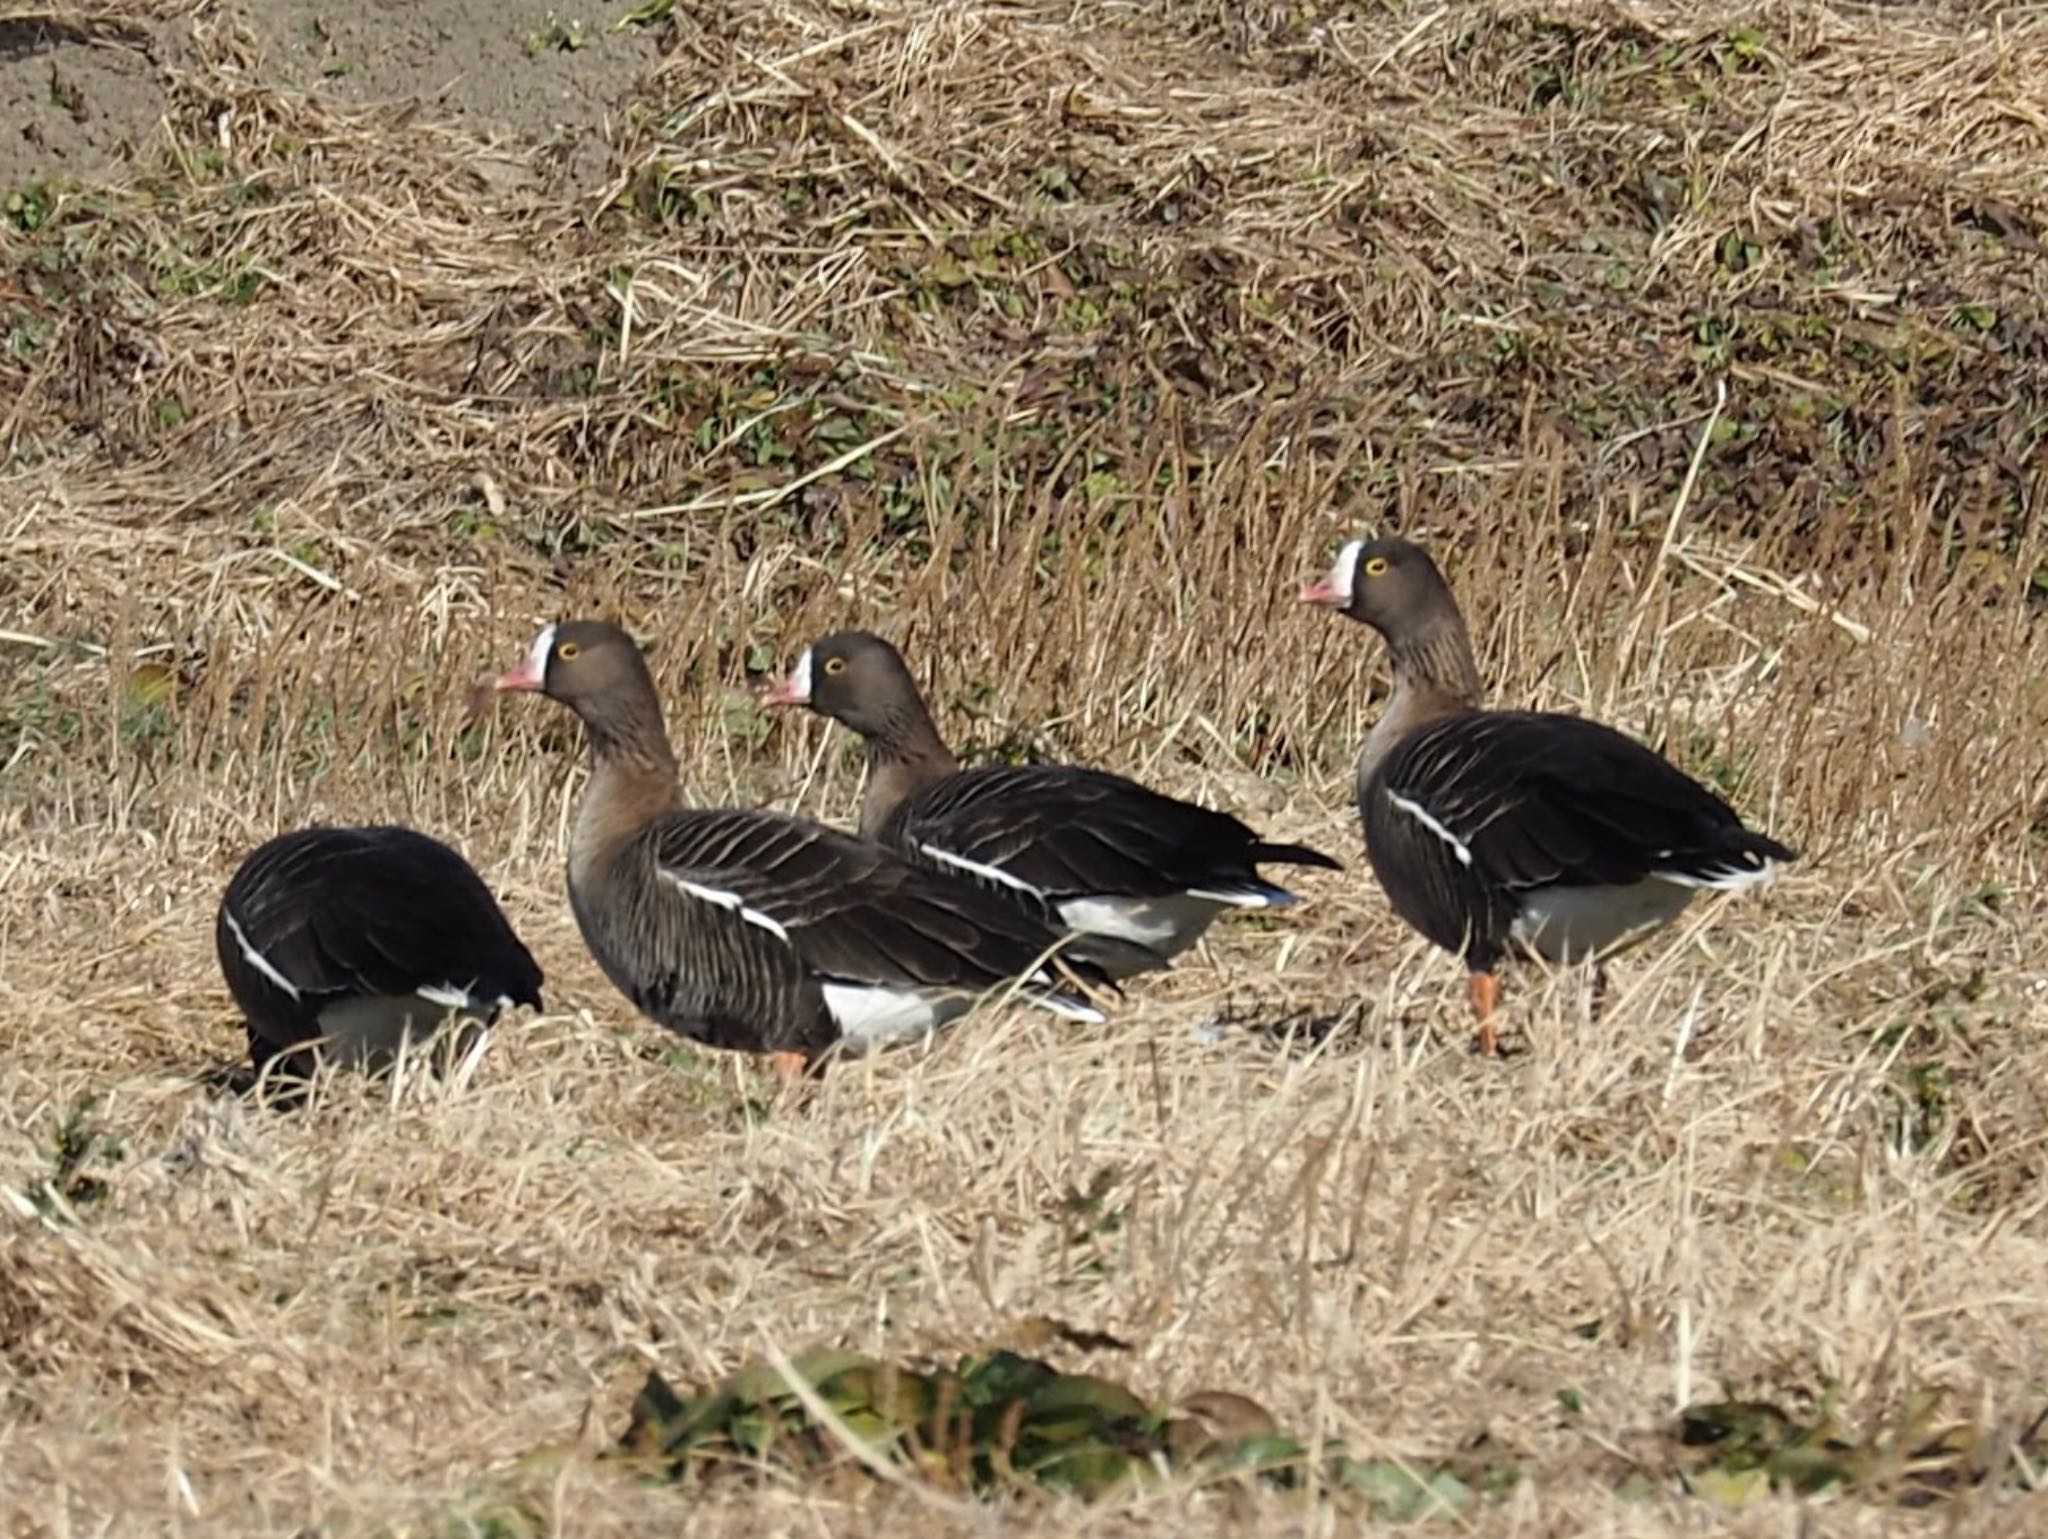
1067	1010
1344	573
729	900
1427	819
1242	897
257	959
446	994
993	873
1723	879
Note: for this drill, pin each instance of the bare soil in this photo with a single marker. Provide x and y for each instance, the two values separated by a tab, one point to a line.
81	93
79	101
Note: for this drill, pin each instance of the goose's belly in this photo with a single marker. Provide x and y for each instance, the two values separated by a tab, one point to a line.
874	1016
366	1031
1163	926
1564	924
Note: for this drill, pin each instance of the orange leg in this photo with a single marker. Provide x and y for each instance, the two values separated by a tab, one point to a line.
1485	991
789	1067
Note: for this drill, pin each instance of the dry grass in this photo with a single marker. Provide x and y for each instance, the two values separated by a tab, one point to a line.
1061	342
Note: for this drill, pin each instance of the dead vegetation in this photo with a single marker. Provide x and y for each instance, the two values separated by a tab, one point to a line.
1706	344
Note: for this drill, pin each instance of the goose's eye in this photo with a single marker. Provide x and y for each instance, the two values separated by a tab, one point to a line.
567	651
1376	566
835	665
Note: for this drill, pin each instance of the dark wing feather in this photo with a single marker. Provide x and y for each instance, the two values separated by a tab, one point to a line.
853	910
1070	831
691	965
725	925
1294	855
1535	800
1446	899
341	912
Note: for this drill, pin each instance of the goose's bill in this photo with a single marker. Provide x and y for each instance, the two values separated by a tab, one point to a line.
525	676
1323	591
788	692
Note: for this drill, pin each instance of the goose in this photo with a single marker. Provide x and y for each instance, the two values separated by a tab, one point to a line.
1135	876
751	930
1525	831
364	937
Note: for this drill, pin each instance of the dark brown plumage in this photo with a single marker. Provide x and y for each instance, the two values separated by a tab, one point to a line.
1133	875
363	936
749	929
1499	831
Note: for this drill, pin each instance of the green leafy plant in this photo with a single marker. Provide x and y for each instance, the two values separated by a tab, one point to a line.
75	1147
650	14
1735	1451
997	1424
28	209
557	36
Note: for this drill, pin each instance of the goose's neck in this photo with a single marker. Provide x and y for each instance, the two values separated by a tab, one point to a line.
1434	677
632	779
903	758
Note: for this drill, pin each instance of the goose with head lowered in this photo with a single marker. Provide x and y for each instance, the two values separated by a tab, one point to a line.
1525	831
752	930
1135	876
360	938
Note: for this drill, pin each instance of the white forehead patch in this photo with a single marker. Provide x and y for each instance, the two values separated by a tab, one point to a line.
537	659
800	679
1344	572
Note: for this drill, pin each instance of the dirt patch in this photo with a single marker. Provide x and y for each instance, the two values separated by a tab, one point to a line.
547	76
77	101
80	99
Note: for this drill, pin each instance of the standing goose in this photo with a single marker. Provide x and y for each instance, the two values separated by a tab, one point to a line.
364	937
1523	830
748	929
1134	876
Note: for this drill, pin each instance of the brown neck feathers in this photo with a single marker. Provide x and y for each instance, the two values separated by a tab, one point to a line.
633	774
1434	676
906	755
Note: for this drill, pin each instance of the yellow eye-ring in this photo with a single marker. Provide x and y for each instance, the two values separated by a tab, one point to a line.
567	651
835	665
1376	567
